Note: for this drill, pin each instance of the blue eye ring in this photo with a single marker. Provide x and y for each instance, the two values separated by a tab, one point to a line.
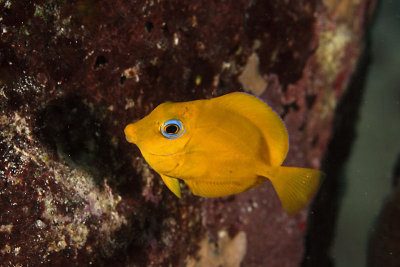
172	129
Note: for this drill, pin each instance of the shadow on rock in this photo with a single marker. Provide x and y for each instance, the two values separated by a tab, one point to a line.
78	136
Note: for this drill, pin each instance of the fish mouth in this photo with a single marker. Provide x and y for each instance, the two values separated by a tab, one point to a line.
130	133
161	155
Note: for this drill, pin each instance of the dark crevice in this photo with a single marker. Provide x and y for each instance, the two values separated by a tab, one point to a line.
396	172
324	210
100	62
148	26
289	107
122	80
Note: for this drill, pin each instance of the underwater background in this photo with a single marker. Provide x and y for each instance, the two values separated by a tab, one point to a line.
368	178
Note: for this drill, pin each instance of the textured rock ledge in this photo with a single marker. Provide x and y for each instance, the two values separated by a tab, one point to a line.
73	74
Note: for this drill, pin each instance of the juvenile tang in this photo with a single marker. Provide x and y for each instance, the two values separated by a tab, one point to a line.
222	146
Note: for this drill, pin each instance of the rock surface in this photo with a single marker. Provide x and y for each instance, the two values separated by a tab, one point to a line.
74	73
384	248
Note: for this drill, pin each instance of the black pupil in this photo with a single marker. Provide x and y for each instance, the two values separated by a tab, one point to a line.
172	129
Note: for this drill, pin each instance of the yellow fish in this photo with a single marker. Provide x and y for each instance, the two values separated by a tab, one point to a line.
222	146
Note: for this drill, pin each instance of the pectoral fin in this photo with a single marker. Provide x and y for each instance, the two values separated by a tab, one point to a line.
172	184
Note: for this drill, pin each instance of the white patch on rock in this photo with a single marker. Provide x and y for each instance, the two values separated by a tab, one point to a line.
251	78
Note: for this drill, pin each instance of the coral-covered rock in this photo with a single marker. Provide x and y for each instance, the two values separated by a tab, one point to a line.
74	73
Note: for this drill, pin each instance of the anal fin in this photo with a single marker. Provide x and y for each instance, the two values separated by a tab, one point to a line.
214	189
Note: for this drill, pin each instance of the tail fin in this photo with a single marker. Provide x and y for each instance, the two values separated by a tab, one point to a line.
295	186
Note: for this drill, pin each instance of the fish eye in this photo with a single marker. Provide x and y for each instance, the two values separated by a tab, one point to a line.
172	129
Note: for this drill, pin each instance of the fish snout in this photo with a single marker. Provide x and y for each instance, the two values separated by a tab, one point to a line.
130	133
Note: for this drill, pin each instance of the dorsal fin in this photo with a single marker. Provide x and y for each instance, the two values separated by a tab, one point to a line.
264	117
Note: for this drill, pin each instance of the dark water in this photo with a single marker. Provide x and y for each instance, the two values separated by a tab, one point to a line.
369	172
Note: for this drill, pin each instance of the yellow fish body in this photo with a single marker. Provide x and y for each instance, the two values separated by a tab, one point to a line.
222	146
